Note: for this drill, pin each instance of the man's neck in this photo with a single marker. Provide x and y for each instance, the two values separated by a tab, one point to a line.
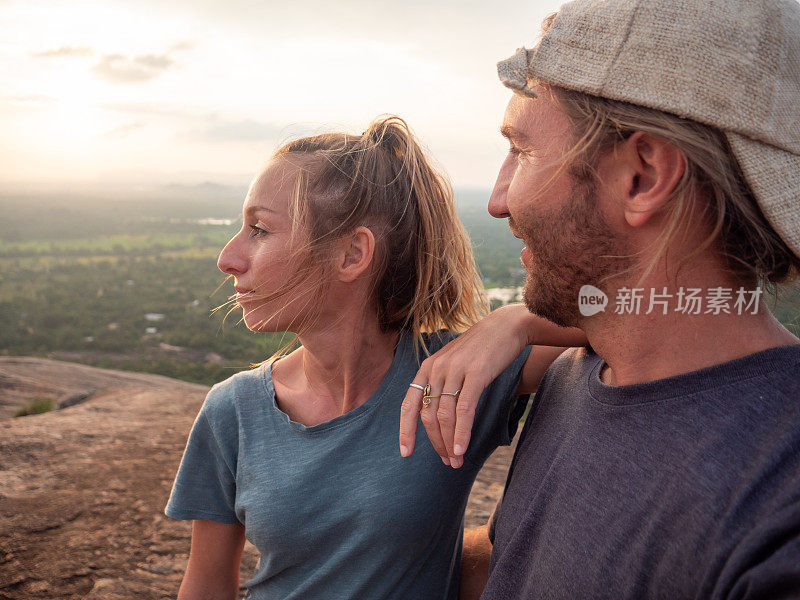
639	348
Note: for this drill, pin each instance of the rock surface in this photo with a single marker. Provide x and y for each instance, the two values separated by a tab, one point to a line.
82	489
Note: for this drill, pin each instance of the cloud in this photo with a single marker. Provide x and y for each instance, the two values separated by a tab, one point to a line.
146	108
123	130
29	99
243	130
25	102
118	68
154	61
184	45
64	51
211	127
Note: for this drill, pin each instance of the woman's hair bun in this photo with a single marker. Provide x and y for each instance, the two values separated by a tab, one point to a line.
388	132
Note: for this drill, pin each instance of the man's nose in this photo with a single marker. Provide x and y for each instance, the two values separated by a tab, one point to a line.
231	260
498	206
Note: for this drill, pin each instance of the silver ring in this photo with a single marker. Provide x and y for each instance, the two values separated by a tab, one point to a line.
418	386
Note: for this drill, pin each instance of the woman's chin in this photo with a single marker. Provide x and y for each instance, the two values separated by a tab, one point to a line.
266	325
258	325
264	320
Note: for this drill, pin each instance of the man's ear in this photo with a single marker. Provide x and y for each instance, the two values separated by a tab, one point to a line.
651	169
355	254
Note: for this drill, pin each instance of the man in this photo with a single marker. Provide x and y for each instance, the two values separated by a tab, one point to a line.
654	175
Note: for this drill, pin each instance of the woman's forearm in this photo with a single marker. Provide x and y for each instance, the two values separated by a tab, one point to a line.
538	331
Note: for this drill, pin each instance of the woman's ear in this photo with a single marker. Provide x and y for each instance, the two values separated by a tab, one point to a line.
651	169
355	255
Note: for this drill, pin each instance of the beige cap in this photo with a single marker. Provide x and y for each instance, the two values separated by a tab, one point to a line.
733	64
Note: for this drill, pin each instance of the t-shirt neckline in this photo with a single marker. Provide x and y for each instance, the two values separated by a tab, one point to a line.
374	400
684	384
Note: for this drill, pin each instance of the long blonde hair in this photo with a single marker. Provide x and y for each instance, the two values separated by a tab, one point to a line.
425	274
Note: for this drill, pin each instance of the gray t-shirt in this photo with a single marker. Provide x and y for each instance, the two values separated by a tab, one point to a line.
334	510
684	487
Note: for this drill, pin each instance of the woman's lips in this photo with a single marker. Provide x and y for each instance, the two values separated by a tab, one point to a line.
242	293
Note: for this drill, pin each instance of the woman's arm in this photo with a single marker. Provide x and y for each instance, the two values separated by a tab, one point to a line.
213	569
470	363
549	341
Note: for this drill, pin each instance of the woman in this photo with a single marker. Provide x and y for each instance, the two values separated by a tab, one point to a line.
353	243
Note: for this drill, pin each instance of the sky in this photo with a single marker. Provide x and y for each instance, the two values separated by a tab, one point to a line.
116	92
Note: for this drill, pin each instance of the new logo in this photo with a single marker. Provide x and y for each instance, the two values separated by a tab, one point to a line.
591	300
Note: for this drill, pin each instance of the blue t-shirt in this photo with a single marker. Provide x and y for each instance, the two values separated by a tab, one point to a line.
683	487
333	509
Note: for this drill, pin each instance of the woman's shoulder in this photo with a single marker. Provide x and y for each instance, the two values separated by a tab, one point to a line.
246	378
226	395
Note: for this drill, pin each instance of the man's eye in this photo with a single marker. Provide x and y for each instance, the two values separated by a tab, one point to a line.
515	152
257	231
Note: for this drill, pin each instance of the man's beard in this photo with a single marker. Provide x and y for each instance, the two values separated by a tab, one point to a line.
569	247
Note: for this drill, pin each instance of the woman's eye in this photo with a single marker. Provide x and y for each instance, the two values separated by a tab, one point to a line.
256	231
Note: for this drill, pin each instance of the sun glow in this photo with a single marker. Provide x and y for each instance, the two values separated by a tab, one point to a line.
74	118
188	92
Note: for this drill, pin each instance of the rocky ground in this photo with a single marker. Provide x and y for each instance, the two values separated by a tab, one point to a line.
82	489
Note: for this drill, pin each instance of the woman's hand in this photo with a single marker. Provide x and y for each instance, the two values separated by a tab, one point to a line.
458	373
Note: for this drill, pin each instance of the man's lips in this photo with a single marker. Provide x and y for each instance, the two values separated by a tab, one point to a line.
513	229
525	256
518	236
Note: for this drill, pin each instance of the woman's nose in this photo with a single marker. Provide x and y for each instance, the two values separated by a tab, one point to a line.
231	260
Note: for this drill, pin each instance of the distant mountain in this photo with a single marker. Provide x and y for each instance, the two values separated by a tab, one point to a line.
206	189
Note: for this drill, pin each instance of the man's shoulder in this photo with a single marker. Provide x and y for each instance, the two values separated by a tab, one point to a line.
573	365
578	356
782	365
773	373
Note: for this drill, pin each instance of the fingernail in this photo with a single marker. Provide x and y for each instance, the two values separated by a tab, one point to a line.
458	449
446	461
403	451
456	462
